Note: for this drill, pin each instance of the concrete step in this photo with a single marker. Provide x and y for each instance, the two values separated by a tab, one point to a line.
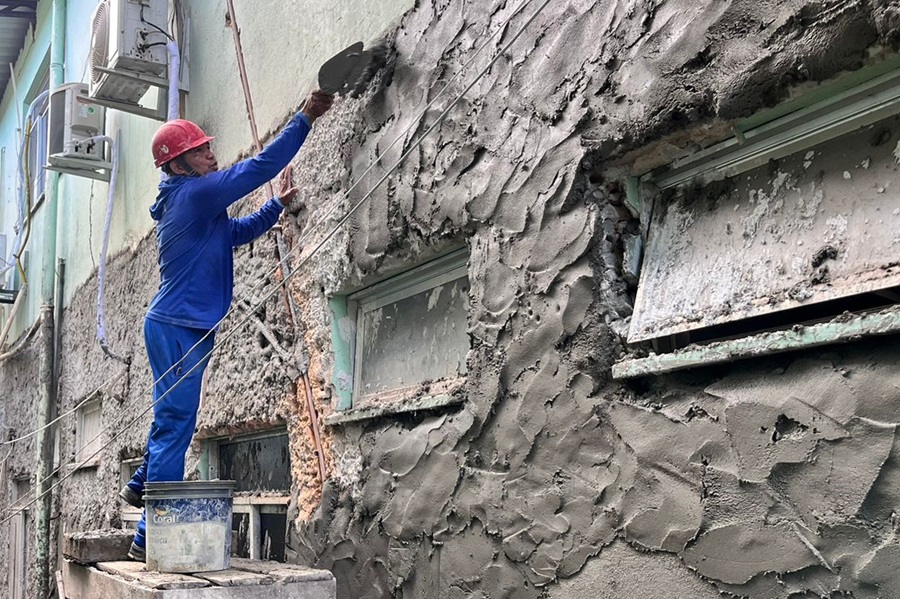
247	579
97	545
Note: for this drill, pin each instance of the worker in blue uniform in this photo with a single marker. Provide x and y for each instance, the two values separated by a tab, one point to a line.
196	238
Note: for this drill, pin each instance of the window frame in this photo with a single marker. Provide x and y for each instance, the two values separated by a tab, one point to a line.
37	181
840	109
39	132
18	540
90	407
266	502
130	515
346	311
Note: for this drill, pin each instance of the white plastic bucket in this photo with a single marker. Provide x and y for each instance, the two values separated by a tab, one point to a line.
188	525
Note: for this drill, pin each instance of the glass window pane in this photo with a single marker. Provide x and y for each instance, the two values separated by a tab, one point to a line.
417	339
817	226
90	425
262	464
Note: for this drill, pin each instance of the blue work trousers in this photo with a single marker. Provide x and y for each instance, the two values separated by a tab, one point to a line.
175	414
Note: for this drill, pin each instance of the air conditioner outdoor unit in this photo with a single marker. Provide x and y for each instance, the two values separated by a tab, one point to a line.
128	52
75	122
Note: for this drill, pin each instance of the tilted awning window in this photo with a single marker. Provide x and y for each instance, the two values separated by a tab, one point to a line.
797	220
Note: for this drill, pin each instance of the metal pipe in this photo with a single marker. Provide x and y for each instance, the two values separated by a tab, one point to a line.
44	455
48	397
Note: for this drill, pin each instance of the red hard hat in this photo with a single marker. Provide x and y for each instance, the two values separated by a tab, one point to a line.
176	137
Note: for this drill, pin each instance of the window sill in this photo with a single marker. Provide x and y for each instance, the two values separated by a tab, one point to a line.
416	404
92	463
843	329
260	498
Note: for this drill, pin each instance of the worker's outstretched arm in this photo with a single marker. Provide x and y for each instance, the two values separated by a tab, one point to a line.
216	191
246	229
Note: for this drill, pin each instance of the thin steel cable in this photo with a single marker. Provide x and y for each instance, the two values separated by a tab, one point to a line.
308	233
248	99
289	274
334	207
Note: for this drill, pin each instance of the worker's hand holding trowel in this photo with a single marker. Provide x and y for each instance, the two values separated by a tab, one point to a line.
348	72
316	105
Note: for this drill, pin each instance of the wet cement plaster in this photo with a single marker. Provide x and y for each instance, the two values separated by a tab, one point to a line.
766	481
769	479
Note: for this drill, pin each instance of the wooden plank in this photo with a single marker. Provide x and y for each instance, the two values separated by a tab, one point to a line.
137	572
235	578
283	573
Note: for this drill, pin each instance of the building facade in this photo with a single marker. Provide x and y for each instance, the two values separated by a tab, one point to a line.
578	297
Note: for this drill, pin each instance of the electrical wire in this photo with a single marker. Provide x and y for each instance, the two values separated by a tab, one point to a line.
307	234
283	262
157	27
101	320
23	190
18	254
23	340
104	247
288	275
101	332
248	99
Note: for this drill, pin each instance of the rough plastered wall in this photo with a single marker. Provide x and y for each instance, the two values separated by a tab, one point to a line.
253	382
19	394
122	386
550	480
768	479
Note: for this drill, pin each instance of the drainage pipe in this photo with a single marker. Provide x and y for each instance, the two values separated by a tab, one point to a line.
48	397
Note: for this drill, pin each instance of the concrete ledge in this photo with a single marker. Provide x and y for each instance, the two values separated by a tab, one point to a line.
411	405
248	579
97	545
843	329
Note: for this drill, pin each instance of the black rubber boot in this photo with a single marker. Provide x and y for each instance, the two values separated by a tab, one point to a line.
137	553
131	497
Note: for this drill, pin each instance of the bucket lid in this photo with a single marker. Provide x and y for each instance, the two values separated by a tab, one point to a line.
190	486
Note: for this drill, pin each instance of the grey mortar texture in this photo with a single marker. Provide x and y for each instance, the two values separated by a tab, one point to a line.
17	388
774	478
769	480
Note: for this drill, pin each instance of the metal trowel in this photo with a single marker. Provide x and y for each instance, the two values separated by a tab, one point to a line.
351	70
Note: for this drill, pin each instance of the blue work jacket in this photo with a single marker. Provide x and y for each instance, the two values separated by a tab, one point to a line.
196	236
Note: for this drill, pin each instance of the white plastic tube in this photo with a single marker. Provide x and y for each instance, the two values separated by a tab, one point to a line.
104	247
174	77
